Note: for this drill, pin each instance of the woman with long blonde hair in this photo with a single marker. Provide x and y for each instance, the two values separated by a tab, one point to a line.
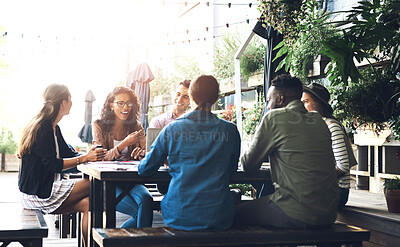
44	154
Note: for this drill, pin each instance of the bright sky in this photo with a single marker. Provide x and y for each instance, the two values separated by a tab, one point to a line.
82	44
87	44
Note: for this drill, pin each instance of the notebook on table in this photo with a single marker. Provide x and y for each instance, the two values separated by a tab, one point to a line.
152	134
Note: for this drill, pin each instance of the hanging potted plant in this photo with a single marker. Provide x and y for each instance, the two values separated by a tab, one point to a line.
392	194
370	106
367	96
304	26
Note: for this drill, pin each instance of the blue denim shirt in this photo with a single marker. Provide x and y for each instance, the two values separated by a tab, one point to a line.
203	152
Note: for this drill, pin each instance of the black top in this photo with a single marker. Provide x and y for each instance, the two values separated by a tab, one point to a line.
36	175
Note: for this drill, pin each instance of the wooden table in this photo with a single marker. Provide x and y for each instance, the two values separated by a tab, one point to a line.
104	177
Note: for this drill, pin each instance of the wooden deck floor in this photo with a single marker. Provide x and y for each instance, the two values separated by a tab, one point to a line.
371	202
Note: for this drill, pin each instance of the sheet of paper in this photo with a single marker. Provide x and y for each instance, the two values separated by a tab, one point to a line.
116	165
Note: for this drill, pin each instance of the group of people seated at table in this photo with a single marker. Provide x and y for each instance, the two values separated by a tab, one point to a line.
309	154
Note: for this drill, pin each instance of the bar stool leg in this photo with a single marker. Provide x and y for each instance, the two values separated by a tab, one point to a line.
73	225
64	225
79	237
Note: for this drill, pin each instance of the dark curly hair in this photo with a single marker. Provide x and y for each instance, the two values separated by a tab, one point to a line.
107	117
291	85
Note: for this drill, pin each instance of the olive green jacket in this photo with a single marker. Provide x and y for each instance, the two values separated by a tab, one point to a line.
299	147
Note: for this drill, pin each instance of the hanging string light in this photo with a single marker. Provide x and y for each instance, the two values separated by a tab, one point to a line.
227	25
186	3
208	4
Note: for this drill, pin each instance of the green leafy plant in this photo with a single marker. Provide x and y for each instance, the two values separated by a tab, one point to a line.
302	45
7	143
245	189
391	184
285	16
224	56
252	117
165	82
368	35
368	95
394	123
373	100
251	61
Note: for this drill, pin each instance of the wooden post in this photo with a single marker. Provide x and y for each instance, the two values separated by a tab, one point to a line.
3	162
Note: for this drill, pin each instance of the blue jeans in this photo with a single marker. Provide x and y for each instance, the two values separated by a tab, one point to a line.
262	211
343	197
138	203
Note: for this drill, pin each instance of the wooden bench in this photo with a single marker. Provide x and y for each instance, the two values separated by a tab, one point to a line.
384	226
244	236
27	227
157	196
369	211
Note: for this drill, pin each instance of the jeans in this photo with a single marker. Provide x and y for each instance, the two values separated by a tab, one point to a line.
138	203
343	197
263	188
262	211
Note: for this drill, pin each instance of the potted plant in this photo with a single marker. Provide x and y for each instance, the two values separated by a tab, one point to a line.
392	194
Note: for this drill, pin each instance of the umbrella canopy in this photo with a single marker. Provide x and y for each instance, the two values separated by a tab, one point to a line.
273	38
138	80
86	132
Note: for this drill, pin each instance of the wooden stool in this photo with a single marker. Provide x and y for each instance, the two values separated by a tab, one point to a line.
70	226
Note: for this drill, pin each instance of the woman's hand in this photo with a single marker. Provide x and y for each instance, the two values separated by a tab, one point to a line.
138	153
166	165
96	154
133	138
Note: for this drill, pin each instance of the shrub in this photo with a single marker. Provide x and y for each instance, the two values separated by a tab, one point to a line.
7	143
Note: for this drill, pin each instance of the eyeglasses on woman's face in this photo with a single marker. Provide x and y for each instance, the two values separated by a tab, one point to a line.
121	104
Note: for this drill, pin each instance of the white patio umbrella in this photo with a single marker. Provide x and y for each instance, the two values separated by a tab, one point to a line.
138	80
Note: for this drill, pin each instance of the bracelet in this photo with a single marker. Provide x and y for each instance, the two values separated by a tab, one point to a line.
77	161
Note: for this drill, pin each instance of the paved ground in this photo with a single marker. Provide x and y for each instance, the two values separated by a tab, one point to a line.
9	187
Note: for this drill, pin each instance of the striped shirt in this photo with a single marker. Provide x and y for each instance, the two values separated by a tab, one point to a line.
339	150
